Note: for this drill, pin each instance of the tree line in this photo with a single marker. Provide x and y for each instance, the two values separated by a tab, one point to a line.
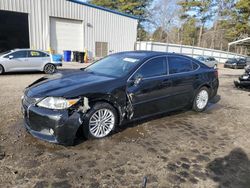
204	23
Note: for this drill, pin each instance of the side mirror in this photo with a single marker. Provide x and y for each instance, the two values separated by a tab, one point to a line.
11	57
137	80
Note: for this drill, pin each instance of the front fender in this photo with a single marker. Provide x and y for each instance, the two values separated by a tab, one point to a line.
118	101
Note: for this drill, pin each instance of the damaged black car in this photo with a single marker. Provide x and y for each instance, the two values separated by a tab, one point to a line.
117	89
244	81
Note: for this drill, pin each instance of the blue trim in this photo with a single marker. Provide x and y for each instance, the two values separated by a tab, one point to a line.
105	9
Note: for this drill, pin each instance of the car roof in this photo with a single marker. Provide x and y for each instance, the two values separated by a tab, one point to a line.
23	49
148	54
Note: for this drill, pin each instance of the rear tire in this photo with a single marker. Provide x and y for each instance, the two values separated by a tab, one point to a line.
201	100
100	121
49	68
1	69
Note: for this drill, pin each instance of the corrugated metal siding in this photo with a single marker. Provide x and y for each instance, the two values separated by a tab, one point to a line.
119	31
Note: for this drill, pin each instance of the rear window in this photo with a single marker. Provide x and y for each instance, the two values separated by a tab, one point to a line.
179	65
195	66
37	54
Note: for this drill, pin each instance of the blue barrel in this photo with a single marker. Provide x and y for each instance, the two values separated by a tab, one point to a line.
67	55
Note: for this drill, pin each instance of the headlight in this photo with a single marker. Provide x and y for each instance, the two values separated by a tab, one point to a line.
245	77
57	103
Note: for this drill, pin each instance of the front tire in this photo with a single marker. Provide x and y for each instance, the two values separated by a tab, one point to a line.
201	100
49	68
100	121
1	69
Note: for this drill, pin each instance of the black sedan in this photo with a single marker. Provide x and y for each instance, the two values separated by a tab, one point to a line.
117	89
235	63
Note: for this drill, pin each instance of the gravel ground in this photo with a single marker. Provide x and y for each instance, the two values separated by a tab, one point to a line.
181	149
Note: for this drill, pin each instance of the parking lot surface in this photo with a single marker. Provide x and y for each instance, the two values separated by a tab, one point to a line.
180	149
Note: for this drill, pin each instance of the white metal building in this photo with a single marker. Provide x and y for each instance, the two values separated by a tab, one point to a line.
65	25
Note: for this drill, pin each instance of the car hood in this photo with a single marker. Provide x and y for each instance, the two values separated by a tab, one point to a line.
68	85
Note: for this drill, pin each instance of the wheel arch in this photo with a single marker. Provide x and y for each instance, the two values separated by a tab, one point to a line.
3	67
117	108
207	86
49	63
114	104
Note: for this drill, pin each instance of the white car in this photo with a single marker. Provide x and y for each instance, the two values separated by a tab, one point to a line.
209	61
21	60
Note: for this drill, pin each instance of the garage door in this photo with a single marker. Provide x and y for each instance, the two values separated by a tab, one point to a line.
14	30
66	34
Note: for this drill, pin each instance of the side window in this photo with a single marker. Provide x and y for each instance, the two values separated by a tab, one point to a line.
179	65
154	67
195	66
19	54
36	54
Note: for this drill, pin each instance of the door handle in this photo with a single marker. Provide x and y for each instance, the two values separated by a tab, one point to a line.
166	83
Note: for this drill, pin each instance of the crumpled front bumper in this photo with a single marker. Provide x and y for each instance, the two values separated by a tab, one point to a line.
243	82
55	126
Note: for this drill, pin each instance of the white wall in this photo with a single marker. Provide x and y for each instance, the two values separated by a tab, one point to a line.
119	31
192	51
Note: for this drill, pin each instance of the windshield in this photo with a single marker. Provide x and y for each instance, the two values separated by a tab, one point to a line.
3	53
117	65
232	60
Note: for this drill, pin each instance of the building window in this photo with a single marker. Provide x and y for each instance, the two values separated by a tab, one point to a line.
101	49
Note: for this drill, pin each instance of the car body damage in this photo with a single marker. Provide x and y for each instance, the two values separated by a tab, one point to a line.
129	107
244	81
55	107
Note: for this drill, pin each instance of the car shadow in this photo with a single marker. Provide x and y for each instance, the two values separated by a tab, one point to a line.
80	139
135	123
231	171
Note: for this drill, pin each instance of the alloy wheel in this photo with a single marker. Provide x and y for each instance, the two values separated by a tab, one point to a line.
202	99
101	123
49	69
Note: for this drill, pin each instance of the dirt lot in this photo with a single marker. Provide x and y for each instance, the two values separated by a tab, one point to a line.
182	149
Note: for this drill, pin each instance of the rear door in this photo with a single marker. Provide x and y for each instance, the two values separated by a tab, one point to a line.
37	59
149	95
182	75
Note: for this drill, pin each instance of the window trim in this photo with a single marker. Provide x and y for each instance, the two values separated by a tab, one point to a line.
40	52
166	72
186	71
10	54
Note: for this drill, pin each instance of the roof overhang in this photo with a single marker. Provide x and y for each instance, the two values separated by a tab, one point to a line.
242	42
104	9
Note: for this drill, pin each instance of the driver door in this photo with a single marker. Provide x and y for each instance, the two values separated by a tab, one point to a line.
148	88
17	61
